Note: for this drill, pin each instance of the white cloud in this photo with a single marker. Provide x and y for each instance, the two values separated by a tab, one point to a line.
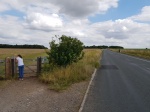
104	5
84	8
124	32
3	6
124	28
72	8
11	30
28	5
75	8
43	21
143	16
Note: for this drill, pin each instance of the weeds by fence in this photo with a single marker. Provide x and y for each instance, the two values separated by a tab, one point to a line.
62	77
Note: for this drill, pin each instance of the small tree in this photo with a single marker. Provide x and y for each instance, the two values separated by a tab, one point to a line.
67	51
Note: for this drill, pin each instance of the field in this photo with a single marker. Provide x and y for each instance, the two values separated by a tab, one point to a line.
142	53
26	53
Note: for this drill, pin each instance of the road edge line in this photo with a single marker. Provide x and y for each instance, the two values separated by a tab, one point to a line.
87	91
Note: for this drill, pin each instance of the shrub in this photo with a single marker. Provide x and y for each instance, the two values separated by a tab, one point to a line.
67	51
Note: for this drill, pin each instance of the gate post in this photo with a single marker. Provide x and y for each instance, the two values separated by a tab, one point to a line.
13	67
39	65
8	68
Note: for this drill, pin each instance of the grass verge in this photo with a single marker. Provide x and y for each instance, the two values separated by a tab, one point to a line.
141	53
61	78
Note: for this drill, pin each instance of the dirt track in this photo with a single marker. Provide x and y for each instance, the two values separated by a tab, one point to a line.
30	95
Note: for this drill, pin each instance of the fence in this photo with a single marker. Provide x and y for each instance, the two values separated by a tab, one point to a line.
8	67
2	68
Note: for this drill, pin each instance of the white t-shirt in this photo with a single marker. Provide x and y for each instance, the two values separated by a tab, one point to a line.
20	61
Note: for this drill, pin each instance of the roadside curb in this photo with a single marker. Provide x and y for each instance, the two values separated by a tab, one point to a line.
87	91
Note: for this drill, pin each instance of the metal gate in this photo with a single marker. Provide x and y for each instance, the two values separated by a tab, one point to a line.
32	67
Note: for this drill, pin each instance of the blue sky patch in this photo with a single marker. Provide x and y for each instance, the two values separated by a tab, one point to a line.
12	12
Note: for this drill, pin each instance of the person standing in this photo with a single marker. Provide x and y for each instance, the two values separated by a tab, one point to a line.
20	62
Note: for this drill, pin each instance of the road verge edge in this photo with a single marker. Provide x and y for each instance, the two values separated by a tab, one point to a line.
87	91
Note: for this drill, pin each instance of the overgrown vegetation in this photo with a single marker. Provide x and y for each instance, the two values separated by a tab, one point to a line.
61	78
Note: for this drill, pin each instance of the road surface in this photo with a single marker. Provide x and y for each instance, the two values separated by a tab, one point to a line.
122	84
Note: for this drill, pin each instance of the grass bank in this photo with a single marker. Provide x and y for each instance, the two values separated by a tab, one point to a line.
61	78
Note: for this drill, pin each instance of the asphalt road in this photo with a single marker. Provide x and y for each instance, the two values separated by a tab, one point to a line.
122	84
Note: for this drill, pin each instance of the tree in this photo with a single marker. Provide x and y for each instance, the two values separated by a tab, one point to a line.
66	51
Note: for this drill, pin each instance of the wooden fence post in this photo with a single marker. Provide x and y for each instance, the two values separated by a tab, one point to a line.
8	68
39	60
13	67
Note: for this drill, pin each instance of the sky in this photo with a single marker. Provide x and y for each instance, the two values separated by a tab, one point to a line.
94	22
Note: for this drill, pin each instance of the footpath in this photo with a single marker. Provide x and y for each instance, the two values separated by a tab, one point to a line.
30	95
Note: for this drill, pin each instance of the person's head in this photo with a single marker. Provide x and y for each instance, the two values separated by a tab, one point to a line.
19	56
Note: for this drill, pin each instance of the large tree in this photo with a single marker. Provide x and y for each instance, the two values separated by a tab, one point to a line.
66	51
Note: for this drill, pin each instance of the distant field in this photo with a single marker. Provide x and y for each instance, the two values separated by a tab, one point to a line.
26	53
142	53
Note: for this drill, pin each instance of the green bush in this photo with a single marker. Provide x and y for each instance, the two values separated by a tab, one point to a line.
66	51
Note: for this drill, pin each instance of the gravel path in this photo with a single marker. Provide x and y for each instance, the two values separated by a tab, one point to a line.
30	95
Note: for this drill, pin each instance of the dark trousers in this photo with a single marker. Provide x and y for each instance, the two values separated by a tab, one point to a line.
21	71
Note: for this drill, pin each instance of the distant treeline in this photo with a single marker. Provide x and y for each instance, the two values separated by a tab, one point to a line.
104	47
23	46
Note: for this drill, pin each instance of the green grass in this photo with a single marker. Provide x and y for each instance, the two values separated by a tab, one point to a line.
62	78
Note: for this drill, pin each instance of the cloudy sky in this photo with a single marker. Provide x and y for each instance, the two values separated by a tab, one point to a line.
95	22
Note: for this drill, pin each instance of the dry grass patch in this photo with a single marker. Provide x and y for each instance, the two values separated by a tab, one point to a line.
142	53
26	53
